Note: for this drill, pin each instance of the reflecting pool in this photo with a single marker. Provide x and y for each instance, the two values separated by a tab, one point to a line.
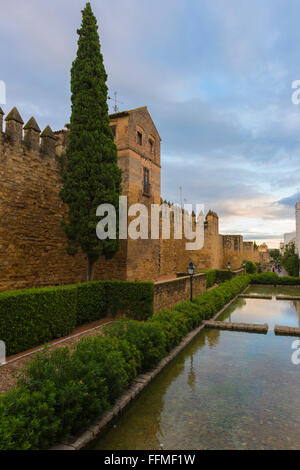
274	312
226	390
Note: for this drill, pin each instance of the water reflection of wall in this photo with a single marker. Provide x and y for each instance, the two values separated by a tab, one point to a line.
296	304
184	363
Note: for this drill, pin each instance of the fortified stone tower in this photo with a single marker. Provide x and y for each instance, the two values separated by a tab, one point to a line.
138	144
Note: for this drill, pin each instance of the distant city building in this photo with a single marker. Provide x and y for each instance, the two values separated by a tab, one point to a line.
292	239
289	239
297	245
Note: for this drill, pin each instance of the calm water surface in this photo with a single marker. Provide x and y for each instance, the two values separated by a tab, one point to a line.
274	312
226	390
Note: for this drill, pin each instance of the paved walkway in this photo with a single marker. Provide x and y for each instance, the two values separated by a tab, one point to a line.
283	272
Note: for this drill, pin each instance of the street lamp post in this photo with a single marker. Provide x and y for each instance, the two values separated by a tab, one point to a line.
191	270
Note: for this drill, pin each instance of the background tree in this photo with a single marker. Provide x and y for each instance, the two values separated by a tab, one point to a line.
275	255
251	267
91	175
290	261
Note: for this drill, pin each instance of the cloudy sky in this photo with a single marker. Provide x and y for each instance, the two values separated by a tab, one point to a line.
216	76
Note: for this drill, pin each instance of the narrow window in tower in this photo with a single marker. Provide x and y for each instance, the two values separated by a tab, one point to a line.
139	138
151	146
114	130
146	182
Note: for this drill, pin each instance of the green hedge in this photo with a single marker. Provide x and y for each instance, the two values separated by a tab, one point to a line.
251	267
100	299
274	279
223	275
92	302
210	278
132	299
32	317
217	275
60	393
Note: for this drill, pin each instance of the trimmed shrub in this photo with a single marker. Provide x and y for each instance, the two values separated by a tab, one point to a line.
28	420
222	275
147	337
91	303
217	275
131	299
210	278
265	278
58	395
170	325
32	317
104	356
251	268
274	279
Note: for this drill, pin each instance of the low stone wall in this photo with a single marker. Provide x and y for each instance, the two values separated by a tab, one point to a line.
170	293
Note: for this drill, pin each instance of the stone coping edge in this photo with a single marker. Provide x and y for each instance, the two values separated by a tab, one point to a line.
254	296
287	297
275	285
178	279
247	327
286	331
132	392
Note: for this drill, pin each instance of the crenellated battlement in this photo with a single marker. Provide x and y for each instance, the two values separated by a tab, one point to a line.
16	134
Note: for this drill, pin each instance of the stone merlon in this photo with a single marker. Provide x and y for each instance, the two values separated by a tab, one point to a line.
14	115
32	125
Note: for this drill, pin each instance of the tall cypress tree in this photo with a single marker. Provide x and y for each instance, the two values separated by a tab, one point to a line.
91	175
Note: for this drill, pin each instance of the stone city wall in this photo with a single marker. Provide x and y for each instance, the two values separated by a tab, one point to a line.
32	242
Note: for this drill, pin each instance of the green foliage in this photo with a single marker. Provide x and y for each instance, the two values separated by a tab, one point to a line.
104	356
217	275
28	419
91	176
258	267
147	337
92	302
132	299
275	255
222	275
60	392
274	279
291	263
32	317
173	329
210	278
251	267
